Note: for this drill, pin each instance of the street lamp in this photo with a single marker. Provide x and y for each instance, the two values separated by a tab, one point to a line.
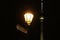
28	18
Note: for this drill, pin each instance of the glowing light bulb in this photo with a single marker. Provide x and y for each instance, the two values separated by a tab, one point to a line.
28	18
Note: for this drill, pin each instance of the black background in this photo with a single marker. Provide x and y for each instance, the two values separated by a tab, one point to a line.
10	10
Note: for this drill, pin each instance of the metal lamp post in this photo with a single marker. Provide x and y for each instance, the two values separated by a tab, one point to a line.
28	19
41	34
42	20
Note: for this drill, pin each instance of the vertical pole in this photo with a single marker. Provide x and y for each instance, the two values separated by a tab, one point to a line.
41	19
41	5
41	35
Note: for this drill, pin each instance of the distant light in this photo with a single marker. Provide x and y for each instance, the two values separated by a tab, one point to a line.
28	17
42	18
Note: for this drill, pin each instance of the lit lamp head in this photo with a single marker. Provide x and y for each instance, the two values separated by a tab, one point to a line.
28	17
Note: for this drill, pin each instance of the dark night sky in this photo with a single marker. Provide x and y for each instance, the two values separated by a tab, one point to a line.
9	19
34	6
